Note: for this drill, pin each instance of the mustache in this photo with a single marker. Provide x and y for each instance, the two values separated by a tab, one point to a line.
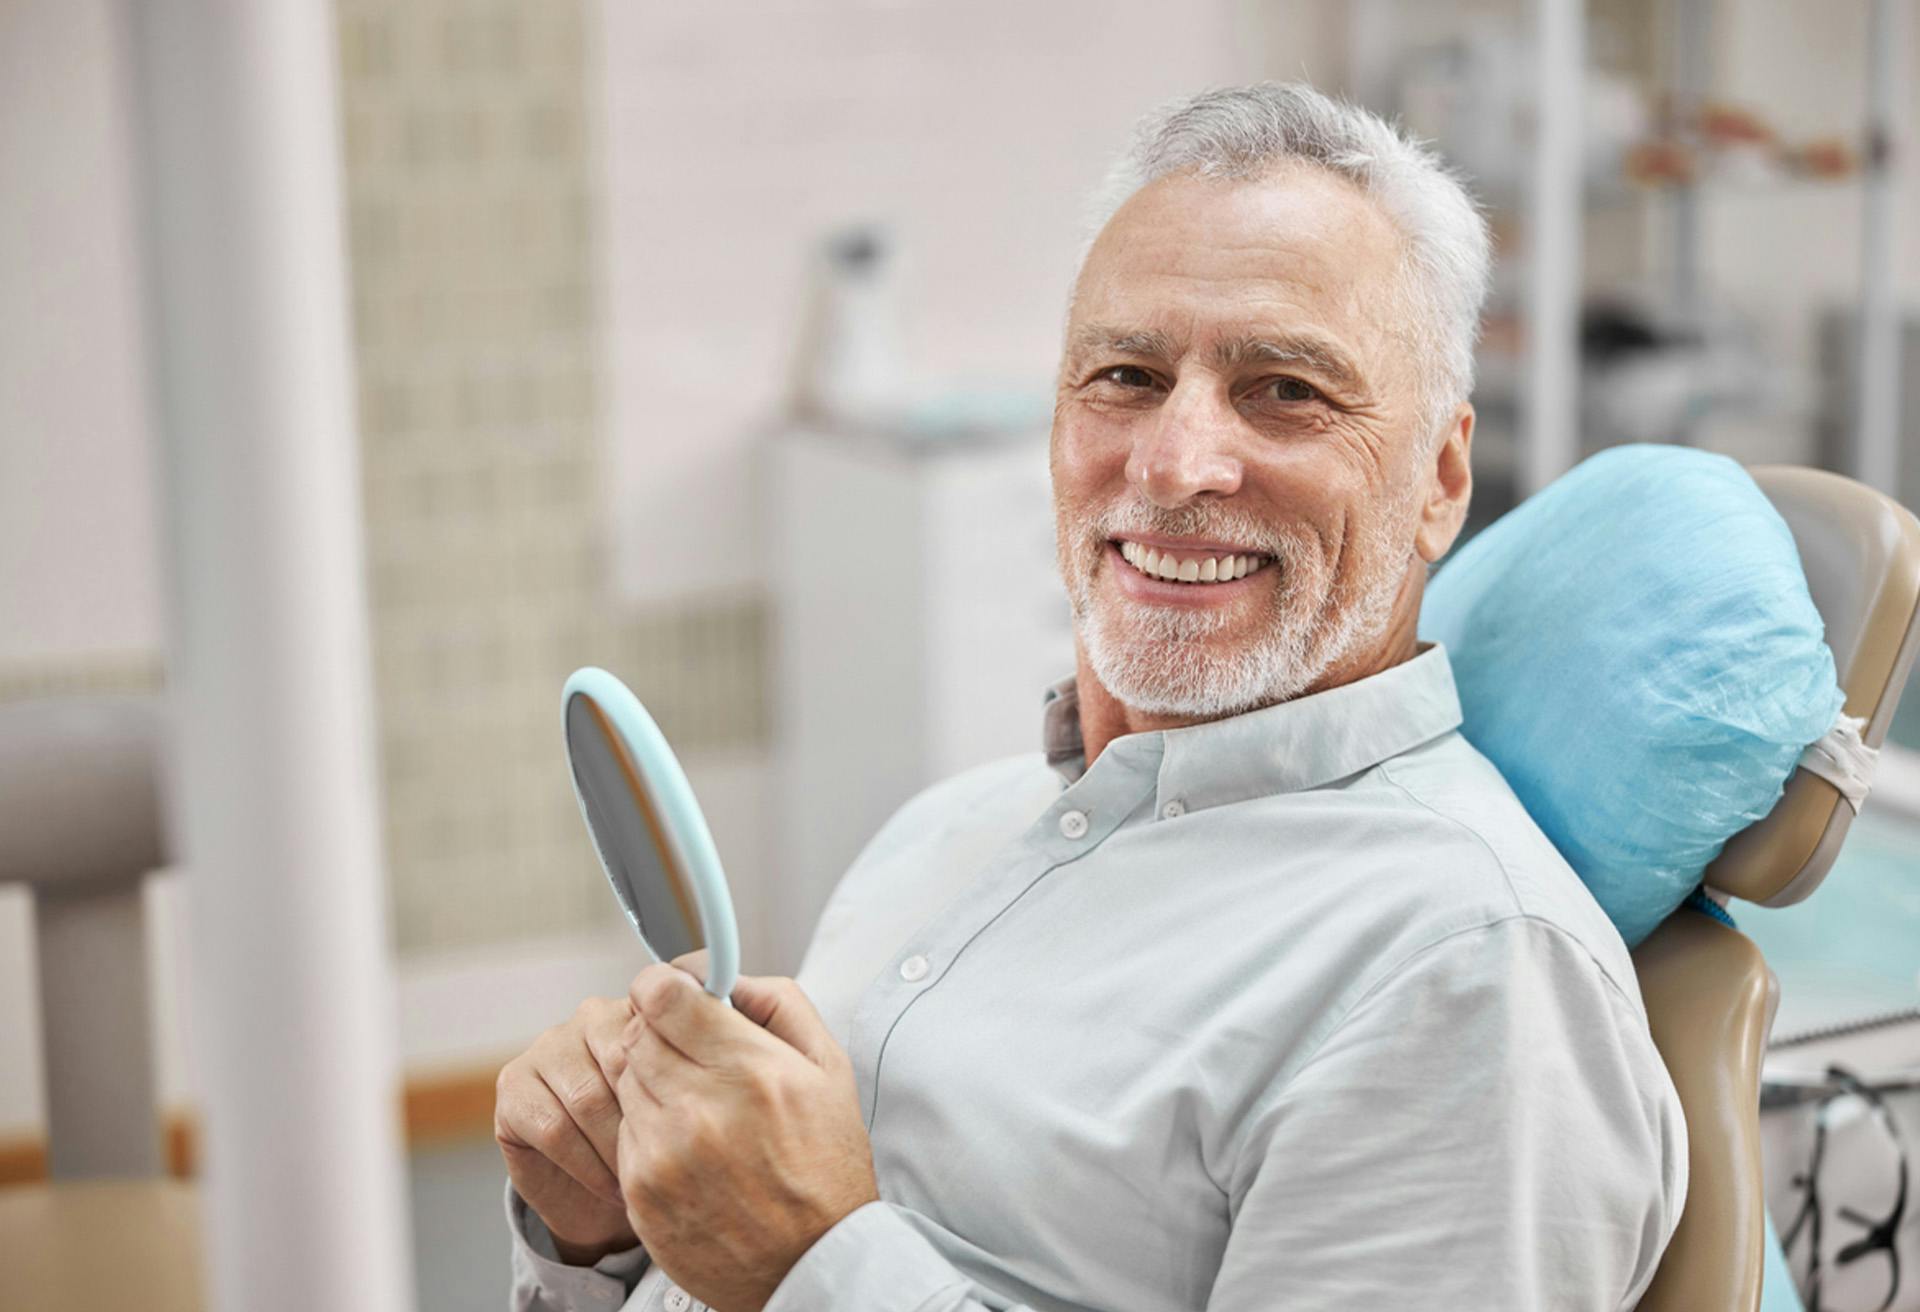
1220	523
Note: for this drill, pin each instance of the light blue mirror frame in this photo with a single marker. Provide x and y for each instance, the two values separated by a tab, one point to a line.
686	843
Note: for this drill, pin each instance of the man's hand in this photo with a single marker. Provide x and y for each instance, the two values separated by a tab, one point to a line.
557	1122
742	1140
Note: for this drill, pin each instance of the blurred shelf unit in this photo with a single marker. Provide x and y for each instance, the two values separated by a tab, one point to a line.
1571	117
919	618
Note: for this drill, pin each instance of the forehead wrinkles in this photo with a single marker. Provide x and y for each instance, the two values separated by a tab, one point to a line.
1333	325
1292	235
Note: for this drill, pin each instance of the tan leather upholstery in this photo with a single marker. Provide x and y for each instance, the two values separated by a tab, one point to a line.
1861	552
1710	997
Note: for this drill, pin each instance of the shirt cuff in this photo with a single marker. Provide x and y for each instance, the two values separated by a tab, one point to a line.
542	1281
872	1259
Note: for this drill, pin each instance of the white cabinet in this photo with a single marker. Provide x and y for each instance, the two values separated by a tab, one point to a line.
919	617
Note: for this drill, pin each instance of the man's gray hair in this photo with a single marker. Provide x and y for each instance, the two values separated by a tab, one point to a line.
1242	132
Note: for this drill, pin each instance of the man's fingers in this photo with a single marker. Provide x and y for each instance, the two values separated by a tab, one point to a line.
655	1064
581	1061
638	1099
604	1033
675	1007
587	1094
536	1176
694	963
784	1010
533	1118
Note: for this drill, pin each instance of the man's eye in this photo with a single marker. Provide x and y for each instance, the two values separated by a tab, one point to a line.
1127	375
1292	389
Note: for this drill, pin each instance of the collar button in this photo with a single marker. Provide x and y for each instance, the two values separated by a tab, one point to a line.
1173	810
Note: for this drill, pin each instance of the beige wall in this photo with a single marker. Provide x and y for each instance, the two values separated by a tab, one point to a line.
737	133
77	513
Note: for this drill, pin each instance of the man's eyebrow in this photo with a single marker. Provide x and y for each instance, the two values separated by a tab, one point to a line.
1097	338
1316	353
1307	349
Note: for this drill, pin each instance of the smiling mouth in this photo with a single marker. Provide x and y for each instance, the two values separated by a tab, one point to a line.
1174	566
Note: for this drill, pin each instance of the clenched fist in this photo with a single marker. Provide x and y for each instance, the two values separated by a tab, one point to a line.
557	1121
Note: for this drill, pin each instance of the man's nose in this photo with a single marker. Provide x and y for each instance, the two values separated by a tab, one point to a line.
1186	448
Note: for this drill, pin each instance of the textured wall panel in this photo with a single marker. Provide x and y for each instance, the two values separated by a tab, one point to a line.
470	176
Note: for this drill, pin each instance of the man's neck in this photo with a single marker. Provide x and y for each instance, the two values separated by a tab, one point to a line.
1104	717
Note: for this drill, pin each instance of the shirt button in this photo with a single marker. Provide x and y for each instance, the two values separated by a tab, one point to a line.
678	1300
913	968
1073	824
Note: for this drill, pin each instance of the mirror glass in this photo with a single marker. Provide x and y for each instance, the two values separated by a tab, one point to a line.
642	855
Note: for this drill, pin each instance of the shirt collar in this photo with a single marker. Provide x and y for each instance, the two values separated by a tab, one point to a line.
1288	747
1060	729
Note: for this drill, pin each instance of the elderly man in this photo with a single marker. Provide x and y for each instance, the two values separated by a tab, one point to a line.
1260	989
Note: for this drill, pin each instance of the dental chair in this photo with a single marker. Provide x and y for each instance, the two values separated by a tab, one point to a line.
1710	997
81	826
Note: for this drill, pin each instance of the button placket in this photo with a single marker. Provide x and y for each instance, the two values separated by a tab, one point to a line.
1117	786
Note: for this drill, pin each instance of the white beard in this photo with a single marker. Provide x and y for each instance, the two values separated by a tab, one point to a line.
1157	658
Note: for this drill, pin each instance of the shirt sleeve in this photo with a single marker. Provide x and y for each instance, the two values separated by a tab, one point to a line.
543	1283
874	1260
1490	1127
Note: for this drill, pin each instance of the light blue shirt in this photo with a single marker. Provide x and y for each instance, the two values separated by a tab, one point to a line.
1296	1009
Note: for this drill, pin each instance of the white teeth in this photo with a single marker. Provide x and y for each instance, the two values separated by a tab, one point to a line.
1221	569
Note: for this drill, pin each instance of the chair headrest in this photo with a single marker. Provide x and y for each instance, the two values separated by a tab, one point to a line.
1637	650
1860	550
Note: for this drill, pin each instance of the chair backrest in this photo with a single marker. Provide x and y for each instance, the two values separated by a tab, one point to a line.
1710	997
81	826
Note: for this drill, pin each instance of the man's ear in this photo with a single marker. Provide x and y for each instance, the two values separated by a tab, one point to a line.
1449	487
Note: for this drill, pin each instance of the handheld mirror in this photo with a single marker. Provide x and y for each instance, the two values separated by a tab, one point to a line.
647	827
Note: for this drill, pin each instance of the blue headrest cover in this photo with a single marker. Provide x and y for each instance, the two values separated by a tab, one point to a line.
1636	651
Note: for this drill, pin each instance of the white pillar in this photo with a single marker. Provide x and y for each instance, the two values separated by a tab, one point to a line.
1550	417
292	990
